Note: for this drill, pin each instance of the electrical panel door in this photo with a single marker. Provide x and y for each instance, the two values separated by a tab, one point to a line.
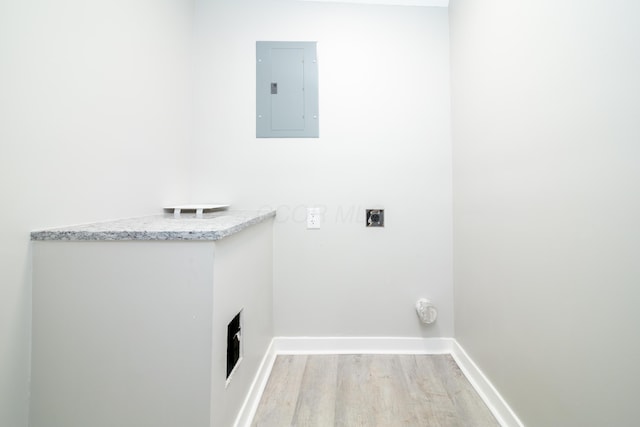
286	90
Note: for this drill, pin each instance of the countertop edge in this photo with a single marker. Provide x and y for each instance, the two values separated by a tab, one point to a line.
70	234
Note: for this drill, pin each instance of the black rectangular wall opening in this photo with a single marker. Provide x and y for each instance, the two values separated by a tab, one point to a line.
234	341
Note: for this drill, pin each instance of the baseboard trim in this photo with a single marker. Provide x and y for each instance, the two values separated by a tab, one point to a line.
250	404
488	393
362	345
375	345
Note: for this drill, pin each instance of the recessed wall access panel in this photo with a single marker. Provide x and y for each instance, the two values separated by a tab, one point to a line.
286	90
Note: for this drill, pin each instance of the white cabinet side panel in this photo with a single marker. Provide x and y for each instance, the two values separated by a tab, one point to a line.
121	334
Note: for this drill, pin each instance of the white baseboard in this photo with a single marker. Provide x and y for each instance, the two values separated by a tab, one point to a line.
362	345
494	401
250	405
376	345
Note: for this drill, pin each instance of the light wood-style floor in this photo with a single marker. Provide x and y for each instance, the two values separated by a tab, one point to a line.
370	391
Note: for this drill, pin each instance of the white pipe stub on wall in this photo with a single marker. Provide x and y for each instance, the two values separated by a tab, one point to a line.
427	312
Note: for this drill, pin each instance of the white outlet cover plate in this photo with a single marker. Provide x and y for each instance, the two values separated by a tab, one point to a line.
313	218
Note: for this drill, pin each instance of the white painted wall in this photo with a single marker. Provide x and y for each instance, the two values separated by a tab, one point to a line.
94	122
546	100
384	142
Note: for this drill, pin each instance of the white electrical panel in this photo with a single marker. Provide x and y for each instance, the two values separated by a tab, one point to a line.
286	90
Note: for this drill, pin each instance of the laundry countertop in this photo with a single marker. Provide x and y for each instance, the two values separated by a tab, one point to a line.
212	226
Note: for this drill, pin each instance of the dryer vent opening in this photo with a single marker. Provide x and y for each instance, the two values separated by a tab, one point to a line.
234	344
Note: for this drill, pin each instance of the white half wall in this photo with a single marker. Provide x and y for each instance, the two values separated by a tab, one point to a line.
94	120
546	101
384	142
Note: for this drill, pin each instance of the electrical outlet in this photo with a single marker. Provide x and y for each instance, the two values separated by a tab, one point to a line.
313	218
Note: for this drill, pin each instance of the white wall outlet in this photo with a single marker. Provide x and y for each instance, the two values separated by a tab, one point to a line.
313	218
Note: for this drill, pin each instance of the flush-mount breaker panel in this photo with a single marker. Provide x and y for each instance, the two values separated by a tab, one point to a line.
286	90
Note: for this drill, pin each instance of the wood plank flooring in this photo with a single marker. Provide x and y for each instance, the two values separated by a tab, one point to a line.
370	391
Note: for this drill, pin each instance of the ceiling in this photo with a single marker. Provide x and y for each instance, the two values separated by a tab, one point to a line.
432	3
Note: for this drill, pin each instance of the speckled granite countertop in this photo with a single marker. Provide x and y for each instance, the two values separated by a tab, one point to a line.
213	226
